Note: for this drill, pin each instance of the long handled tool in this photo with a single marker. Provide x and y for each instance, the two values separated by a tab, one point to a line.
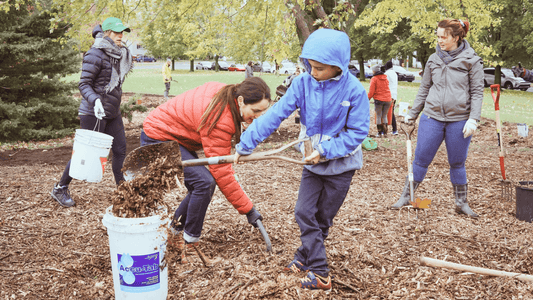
498	124
408	132
505	184
137	162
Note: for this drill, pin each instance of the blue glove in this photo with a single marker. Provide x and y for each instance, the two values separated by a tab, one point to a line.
253	215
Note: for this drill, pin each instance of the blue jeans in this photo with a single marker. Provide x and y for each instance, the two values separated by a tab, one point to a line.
319	199
201	186
113	127
431	133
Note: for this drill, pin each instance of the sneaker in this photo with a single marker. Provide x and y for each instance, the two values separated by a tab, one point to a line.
315	282
191	252
395	133
62	195
295	267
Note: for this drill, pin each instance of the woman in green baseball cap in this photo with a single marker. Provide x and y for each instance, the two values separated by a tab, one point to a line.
104	69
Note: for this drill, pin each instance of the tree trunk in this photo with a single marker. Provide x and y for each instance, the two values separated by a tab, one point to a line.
192	65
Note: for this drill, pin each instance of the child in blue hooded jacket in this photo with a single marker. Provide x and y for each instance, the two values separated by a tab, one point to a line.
334	112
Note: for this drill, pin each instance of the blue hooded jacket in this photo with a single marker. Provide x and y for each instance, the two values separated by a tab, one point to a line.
334	112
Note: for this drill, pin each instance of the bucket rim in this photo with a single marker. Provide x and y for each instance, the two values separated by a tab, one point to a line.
157	219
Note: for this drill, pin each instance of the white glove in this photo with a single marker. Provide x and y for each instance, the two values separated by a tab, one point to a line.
407	119
99	109
470	127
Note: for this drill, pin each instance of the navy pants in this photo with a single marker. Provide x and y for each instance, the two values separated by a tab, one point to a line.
113	127
201	186
430	135
319	199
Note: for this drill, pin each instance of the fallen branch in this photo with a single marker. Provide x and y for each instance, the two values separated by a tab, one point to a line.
345	284
489	272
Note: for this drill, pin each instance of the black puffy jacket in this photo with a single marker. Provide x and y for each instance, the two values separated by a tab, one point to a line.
95	75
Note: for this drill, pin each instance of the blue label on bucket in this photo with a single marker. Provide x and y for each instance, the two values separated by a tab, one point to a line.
138	274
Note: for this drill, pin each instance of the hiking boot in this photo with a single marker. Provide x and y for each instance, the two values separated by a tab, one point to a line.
62	195
191	252
461	191
405	198
315	282
295	267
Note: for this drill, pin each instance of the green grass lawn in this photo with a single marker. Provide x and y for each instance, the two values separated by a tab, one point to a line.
515	106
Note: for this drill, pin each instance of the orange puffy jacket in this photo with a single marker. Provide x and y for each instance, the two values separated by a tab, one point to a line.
179	118
379	88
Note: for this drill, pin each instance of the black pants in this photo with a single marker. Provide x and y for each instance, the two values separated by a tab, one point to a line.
394	126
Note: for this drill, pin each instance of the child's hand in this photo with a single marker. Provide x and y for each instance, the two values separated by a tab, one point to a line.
236	158
314	157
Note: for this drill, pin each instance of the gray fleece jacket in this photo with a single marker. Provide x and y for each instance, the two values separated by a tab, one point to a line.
452	92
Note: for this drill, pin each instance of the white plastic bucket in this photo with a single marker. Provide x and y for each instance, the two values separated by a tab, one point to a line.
522	129
404	108
89	155
137	247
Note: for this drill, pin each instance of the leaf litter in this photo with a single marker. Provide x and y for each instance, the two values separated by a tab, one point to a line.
50	252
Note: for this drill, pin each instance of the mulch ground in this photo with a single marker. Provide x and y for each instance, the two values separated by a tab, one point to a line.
51	252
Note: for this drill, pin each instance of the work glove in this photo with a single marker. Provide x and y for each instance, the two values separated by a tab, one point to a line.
99	109
253	215
408	120
470	127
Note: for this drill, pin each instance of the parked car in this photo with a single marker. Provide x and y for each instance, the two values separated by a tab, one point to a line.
508	80
353	69
237	67
368	72
203	65
145	58
403	74
267	68
222	66
288	68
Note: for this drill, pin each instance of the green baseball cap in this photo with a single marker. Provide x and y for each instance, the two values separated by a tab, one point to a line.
114	24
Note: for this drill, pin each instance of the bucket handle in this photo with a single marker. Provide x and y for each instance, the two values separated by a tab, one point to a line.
97	124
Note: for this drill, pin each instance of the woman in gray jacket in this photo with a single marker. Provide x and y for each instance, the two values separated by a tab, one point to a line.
450	99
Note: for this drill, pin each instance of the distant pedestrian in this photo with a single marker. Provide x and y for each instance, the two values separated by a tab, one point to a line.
393	87
103	71
379	90
450	98
167	76
249	72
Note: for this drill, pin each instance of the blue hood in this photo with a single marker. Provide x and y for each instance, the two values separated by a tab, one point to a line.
327	46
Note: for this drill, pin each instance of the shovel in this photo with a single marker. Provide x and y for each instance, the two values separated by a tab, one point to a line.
408	132
137	161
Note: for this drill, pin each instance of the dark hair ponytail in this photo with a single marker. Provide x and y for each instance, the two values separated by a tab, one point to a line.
253	90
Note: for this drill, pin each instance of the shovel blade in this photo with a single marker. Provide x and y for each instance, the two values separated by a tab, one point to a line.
137	161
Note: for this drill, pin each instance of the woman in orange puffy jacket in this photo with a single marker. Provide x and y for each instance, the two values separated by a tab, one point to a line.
207	117
379	90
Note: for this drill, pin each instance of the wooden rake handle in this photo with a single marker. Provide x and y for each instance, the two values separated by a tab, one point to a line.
228	159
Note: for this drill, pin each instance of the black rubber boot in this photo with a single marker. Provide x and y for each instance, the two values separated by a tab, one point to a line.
405	198
380	130
461	191
385	128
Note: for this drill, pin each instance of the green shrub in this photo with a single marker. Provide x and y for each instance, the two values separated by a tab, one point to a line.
129	107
